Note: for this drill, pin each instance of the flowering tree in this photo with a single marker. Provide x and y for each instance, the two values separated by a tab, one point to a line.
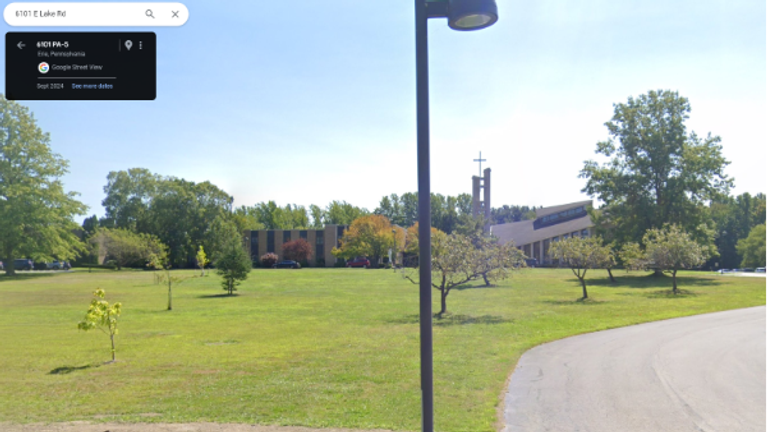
102	316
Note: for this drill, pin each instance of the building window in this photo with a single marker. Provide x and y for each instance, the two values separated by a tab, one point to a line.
575	234
585	233
270	241
556	239
339	233
286	236
254	245
319	240
303	234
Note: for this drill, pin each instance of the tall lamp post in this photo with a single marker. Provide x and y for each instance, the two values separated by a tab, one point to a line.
462	15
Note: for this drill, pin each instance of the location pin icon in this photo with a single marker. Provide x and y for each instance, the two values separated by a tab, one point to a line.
128	44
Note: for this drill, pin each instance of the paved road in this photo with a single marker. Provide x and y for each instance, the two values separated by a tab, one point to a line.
700	374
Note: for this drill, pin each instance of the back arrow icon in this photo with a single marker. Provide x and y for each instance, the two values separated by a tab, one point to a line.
20	45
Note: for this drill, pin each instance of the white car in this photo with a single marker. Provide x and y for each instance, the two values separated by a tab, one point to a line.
760	270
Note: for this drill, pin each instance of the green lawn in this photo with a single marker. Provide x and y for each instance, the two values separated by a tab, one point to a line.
313	347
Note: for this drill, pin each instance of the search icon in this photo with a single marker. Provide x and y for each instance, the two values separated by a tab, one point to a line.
149	13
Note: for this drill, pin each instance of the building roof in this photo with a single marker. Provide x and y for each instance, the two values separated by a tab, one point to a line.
557	209
523	232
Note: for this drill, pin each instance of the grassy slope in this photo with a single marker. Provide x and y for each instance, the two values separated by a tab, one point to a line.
335	347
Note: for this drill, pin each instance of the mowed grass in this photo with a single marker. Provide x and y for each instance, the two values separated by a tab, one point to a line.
312	347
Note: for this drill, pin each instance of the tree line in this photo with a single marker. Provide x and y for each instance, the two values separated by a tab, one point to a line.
658	173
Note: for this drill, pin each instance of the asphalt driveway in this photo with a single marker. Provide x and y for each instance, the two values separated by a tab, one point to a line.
699	373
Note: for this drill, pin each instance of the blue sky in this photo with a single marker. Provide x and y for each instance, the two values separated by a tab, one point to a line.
313	101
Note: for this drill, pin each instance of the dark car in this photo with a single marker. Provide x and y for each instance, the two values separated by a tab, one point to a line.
359	262
23	264
287	264
532	262
59	265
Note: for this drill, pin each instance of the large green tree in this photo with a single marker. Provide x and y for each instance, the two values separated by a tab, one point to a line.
446	215
734	218
182	213
272	216
752	248
129	195
657	171
178	211
35	211
342	213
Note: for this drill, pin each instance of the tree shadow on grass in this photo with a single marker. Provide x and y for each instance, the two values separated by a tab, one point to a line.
651	281
225	295
681	293
449	319
65	370
467	286
20	277
579	301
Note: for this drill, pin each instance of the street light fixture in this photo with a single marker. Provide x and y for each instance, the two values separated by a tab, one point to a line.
462	15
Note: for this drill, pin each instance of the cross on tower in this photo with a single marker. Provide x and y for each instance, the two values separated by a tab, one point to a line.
480	168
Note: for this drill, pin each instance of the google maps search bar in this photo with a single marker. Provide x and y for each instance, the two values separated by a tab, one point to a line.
95	14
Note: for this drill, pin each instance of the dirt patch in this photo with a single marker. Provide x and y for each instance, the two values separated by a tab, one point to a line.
161	427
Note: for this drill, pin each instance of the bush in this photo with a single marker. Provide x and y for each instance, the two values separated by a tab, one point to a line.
320	262
340	263
268	260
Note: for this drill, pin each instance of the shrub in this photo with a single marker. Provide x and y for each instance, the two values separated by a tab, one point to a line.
268	259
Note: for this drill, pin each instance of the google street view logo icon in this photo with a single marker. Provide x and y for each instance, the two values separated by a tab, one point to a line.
43	68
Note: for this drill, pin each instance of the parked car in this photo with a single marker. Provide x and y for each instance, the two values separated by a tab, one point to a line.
757	270
287	264
23	264
59	265
532	262
359	262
